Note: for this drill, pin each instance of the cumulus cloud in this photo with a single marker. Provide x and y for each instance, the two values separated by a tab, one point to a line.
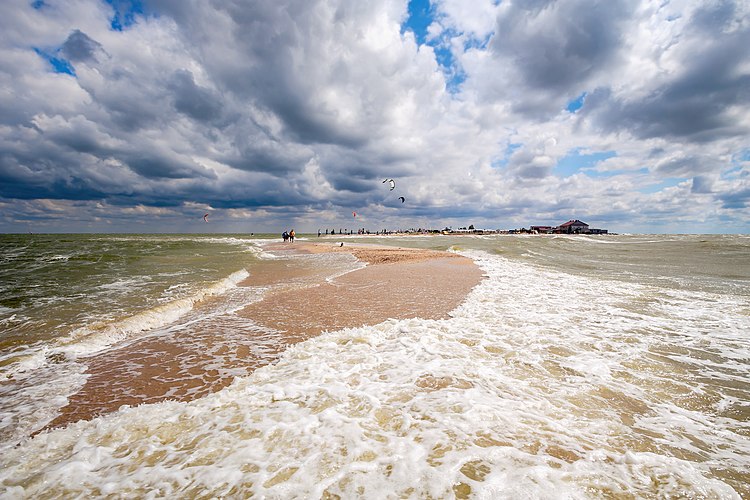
558	46
700	93
197	102
294	111
79	47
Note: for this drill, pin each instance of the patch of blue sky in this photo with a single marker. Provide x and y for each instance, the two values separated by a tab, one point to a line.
59	65
454	74
419	20
576	103
737	166
733	173
477	43
421	16
125	12
575	162
502	161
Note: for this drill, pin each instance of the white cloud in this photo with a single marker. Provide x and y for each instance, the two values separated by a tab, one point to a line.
294	111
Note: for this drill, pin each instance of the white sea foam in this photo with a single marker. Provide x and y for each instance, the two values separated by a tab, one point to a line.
27	406
541	385
32	373
8	310
91	338
125	284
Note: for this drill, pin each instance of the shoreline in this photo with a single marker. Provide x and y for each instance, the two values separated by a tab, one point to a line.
397	283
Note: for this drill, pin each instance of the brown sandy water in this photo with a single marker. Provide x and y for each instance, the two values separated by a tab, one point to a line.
299	303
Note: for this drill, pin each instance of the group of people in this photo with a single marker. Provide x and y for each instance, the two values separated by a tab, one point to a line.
288	236
333	231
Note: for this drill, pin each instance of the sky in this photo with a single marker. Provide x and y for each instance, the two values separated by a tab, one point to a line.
144	115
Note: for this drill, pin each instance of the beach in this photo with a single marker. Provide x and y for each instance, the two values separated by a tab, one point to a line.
397	283
423	366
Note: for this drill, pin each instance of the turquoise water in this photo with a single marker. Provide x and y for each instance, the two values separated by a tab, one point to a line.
581	367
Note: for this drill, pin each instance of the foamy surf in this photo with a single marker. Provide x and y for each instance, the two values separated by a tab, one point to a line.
541	385
30	376
95	337
368	413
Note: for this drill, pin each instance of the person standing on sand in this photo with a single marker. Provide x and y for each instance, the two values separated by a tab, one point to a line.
285	235
291	235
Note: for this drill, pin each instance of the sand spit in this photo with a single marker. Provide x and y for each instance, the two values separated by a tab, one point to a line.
397	283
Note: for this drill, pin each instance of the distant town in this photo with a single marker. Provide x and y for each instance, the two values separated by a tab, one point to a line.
573	226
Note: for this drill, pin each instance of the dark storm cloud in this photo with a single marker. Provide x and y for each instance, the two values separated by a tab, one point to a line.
267	193
78	141
76	134
736	199
714	15
306	125
197	102
685	166
131	103
298	107
42	178
267	156
555	46
702	185
80	47
265	101
342	181
695	105
356	172
525	164
81	143
156	167
277	67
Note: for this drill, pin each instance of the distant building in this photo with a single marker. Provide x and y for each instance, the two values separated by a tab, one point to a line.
573	227
469	230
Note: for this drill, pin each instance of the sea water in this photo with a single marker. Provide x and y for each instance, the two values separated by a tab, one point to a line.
580	367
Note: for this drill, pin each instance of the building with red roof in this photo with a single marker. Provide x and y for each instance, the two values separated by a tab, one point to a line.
573	227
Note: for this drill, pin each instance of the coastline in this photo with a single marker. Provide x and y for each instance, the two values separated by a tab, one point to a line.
396	283
558	366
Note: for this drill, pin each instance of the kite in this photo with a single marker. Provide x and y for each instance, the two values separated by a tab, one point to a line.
354	214
205	218
392	182
402	199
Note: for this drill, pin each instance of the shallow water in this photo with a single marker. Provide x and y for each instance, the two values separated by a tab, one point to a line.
581	367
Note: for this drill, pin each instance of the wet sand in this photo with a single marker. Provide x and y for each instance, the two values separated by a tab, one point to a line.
397	283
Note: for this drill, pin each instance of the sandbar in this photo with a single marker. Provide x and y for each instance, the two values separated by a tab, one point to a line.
396	283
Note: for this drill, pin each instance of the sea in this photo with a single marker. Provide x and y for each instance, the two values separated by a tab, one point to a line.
608	366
